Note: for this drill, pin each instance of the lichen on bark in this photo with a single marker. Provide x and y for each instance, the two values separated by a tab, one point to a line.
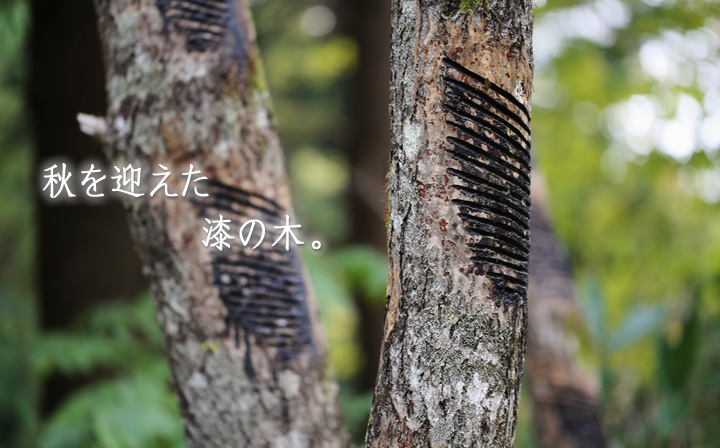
467	6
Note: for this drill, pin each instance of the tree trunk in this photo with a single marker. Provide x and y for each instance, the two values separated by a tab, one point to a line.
243	336
459	193
564	394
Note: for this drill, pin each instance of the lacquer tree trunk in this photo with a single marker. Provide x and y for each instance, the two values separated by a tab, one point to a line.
459	190
564	392
185	86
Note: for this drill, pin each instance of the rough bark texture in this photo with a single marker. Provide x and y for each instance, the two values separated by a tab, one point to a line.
565	395
186	86
459	240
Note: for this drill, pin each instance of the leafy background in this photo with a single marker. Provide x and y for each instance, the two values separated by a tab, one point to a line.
626	131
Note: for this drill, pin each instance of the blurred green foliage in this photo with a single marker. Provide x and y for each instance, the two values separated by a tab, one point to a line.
637	218
131	404
18	387
644	246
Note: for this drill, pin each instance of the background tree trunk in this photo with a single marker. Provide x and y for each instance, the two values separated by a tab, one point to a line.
369	150
185	86
459	192
565	402
78	265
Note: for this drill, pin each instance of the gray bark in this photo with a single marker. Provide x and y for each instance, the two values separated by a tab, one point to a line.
185	86
454	336
564	392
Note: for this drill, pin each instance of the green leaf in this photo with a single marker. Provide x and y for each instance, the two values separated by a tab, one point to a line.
338	311
639	322
677	360
593	306
366	271
670	413
131	412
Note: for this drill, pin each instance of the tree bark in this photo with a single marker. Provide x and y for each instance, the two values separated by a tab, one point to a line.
459	191
565	395
243	337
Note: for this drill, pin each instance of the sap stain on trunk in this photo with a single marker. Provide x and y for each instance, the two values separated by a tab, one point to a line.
263	289
492	146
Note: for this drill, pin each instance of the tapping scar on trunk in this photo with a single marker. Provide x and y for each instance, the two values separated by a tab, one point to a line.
579	417
205	23
263	289
492	146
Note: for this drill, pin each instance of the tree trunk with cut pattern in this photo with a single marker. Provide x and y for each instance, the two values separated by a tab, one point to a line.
459	191
185	86
564	392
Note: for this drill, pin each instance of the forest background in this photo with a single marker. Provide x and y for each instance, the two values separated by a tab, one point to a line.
626	133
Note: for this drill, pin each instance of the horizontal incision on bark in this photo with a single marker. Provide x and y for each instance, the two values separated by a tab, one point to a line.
579	417
262	288
492	146
203	22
